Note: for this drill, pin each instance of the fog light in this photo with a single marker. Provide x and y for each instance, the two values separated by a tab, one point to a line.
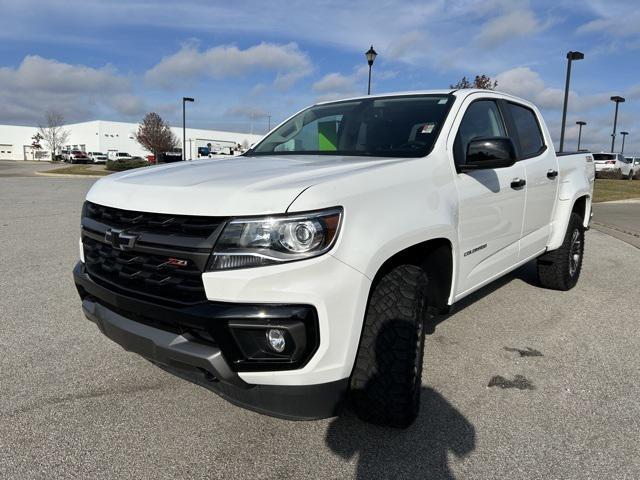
276	340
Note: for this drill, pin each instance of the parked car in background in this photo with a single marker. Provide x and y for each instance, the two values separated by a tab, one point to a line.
77	156
171	156
112	155
611	165
97	157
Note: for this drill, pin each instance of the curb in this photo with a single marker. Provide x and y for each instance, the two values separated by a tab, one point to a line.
67	175
626	200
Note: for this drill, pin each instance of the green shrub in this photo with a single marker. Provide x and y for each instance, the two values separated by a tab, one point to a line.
120	165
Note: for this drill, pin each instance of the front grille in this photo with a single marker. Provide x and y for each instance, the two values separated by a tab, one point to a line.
144	273
160	223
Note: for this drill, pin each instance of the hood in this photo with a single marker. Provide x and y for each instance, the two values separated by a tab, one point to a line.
229	187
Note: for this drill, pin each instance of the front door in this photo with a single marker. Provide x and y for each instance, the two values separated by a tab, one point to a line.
491	205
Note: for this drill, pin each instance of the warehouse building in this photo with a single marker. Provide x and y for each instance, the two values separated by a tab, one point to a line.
104	136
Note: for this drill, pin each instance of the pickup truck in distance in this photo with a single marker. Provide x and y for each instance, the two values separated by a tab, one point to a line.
301	273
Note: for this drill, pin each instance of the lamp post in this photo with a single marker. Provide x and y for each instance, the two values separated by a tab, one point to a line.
371	56
618	100
624	135
570	57
184	128
581	124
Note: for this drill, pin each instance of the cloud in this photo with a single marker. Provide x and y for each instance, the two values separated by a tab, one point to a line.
409	47
509	25
51	76
334	82
524	82
79	92
247	111
287	61
337	85
128	105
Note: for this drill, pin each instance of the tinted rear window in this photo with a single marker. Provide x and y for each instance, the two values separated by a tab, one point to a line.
603	156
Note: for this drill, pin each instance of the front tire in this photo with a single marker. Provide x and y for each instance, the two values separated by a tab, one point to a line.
560	268
387	376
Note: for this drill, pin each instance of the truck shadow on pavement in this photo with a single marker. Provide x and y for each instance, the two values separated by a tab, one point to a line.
419	452
422	450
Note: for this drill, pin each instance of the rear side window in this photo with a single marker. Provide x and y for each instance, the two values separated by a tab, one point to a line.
529	134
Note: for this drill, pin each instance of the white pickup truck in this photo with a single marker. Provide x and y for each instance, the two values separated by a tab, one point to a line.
302	272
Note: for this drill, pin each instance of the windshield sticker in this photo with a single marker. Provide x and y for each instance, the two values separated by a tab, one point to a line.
428	128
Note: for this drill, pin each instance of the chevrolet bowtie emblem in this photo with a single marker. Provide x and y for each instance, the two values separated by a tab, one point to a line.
119	239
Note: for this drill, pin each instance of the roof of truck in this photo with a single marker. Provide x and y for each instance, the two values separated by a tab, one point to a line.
449	91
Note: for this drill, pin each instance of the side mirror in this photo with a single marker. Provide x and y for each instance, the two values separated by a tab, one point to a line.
489	152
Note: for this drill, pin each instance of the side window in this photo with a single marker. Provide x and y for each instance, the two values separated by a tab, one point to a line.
529	134
482	119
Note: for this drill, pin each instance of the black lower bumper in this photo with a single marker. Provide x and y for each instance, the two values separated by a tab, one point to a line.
125	320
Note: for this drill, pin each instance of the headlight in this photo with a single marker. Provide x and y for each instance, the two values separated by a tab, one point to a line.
260	241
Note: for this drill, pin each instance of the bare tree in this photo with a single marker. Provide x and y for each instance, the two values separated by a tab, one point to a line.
155	135
53	132
481	81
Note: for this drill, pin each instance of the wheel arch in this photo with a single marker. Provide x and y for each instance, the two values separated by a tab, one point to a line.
580	204
435	257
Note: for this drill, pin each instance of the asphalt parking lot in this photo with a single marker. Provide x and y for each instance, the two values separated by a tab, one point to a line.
564	369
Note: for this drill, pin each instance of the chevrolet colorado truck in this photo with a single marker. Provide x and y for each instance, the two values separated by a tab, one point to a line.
301	273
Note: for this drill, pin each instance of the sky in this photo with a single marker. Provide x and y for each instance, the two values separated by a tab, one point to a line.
244	60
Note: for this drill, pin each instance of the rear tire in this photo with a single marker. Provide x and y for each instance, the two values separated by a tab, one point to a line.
560	268
386	379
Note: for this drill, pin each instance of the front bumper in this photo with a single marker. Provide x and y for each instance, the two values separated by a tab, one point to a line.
126	321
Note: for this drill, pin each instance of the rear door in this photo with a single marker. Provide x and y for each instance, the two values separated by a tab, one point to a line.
490	209
541	173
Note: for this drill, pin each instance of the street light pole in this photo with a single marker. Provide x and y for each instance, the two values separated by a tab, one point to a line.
570	57
371	56
184	128
624	135
618	101
581	123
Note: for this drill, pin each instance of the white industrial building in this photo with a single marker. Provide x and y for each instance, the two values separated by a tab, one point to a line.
104	136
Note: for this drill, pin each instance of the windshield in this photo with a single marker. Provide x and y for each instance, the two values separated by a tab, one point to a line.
402	126
604	156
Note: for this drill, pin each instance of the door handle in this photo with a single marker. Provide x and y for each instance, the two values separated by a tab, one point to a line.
517	183
552	174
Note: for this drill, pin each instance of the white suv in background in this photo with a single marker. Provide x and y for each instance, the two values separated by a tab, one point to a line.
635	166
612	164
98	157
